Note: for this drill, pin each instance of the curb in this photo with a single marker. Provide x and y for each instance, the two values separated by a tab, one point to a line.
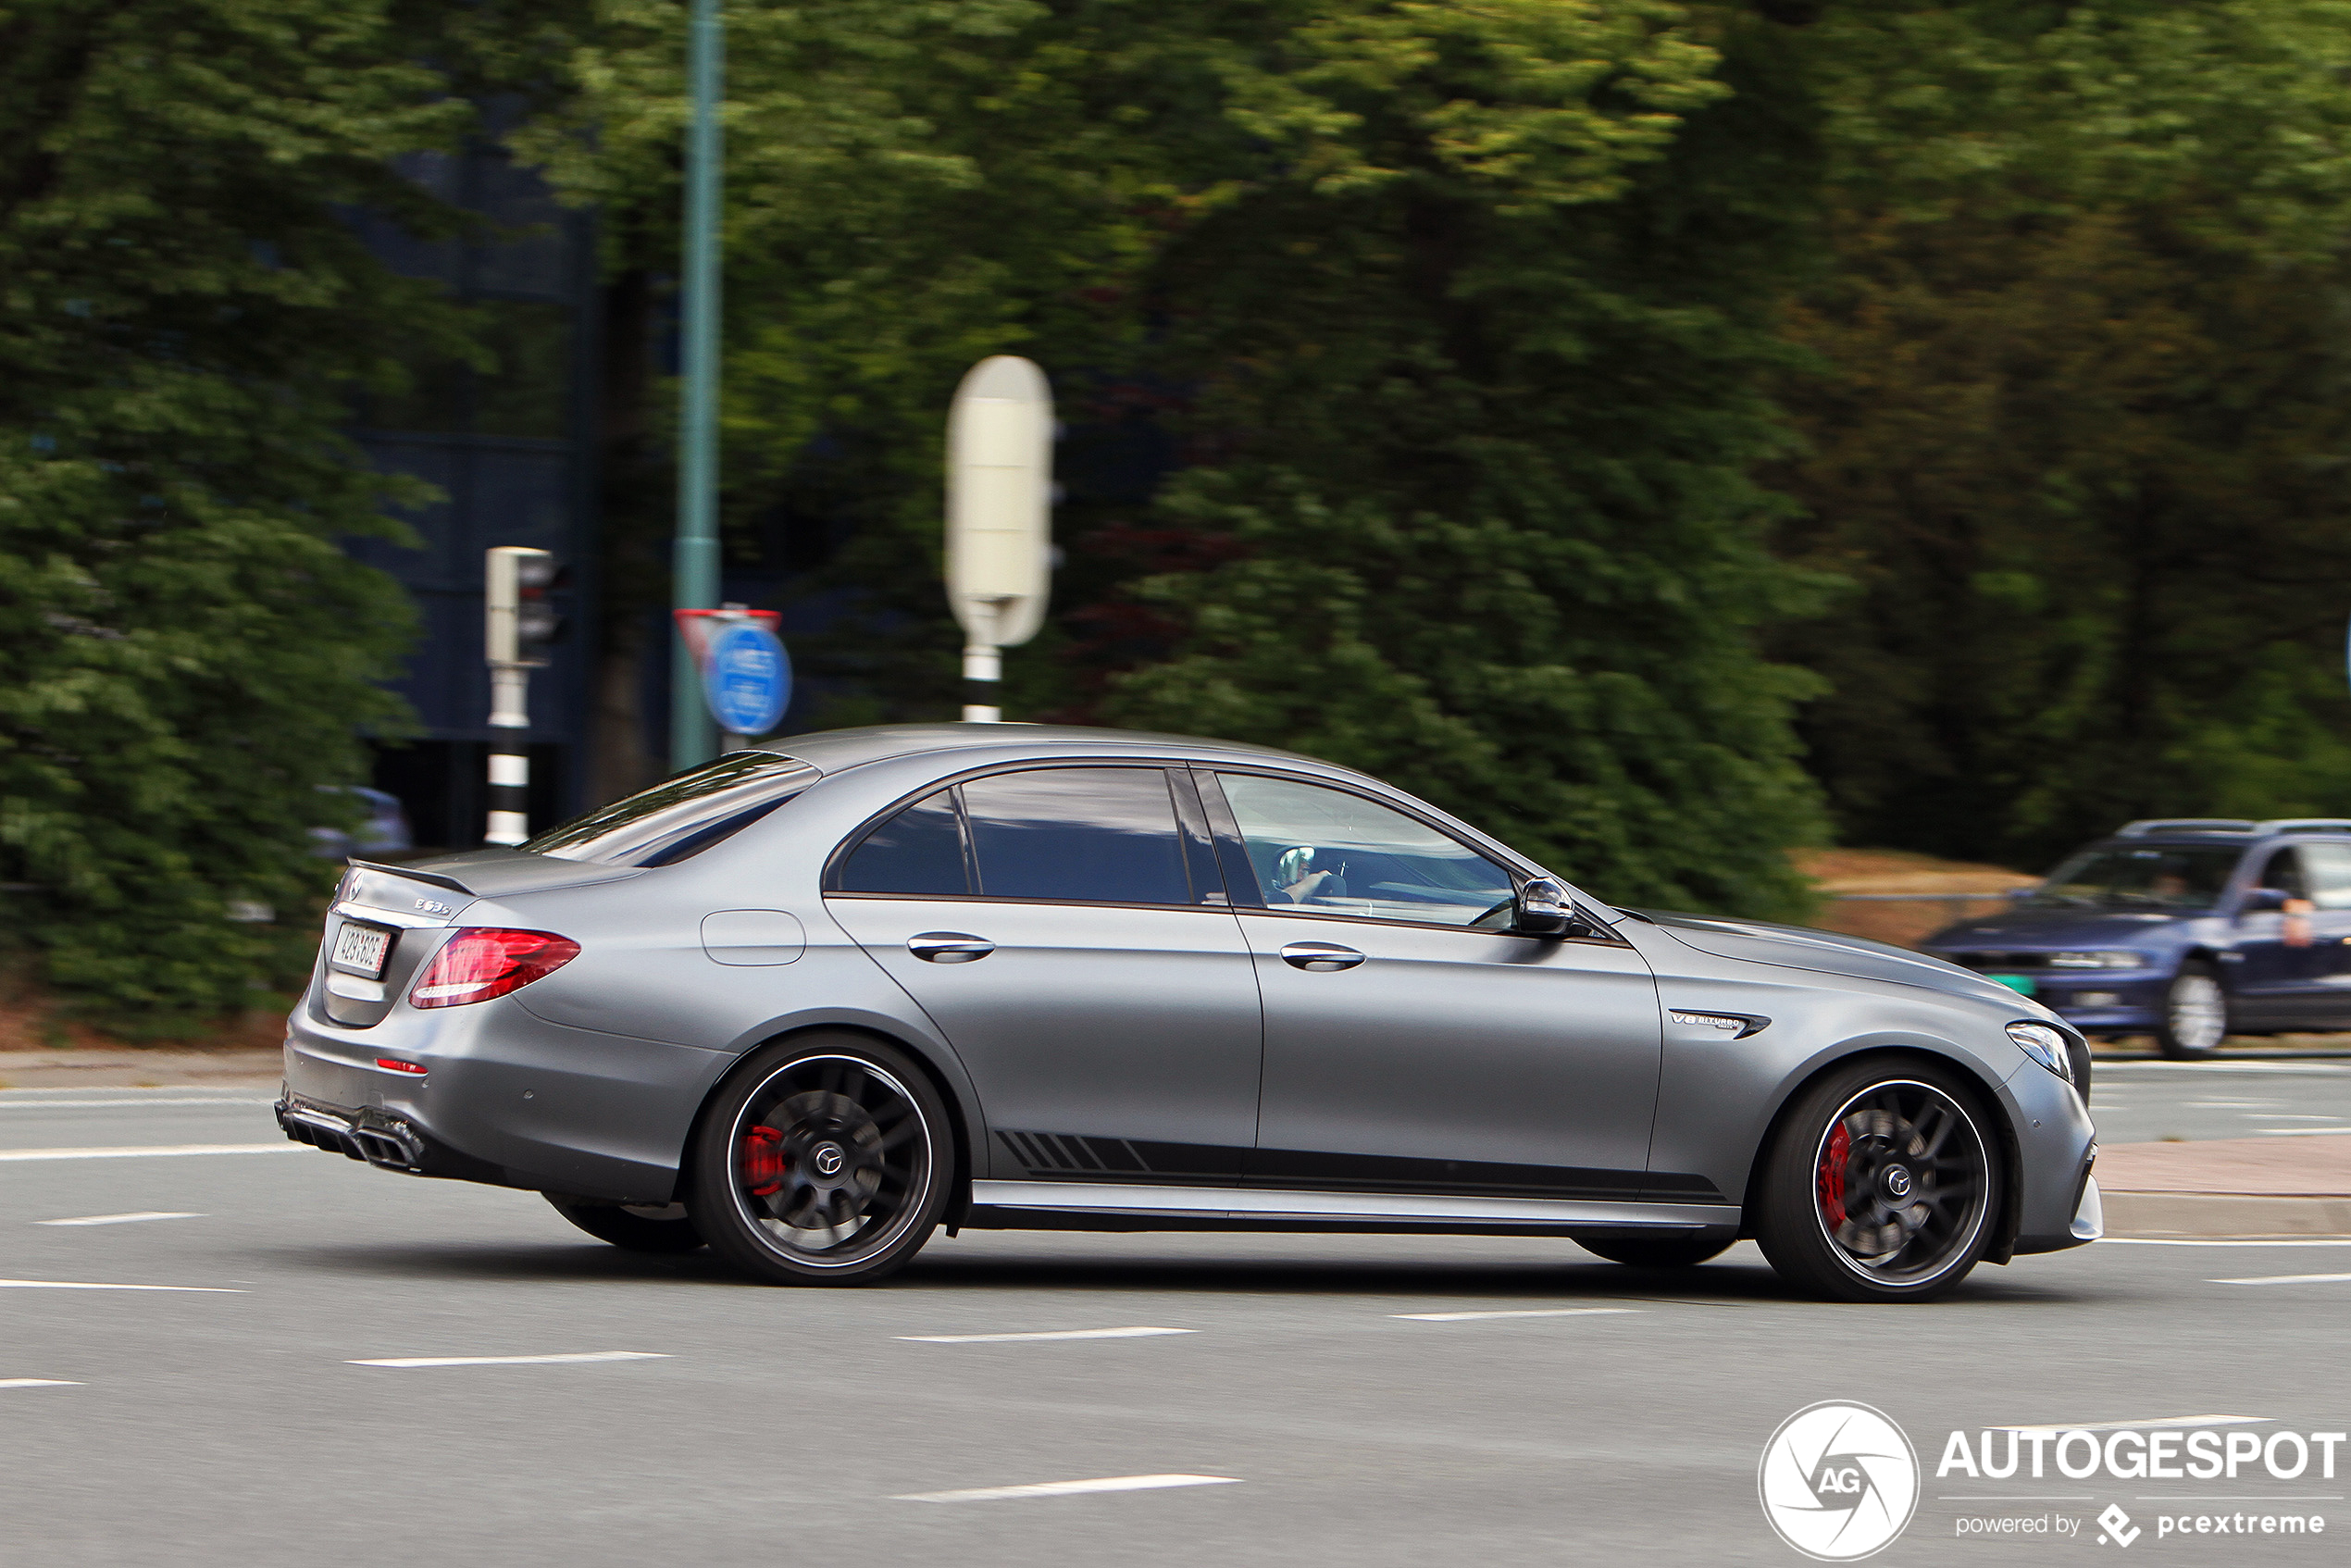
2225	1215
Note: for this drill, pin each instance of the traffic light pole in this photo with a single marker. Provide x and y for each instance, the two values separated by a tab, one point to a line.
504	569
694	562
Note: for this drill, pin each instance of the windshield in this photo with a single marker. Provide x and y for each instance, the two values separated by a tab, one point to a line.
2142	876
679	816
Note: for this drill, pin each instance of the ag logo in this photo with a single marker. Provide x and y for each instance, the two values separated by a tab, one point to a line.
1838	1481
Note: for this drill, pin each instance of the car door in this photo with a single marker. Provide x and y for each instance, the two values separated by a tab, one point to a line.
2276	961
1413	1045
2326	875
1065	929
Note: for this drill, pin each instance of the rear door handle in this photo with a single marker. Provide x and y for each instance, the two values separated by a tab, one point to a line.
948	947
1320	957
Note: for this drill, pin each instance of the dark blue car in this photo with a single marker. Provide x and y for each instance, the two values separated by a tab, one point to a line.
2189	929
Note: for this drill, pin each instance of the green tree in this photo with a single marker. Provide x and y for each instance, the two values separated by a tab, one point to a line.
186	657
2081	435
1455	311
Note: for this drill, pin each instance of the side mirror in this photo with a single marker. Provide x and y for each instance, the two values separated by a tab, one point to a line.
1541	909
2262	900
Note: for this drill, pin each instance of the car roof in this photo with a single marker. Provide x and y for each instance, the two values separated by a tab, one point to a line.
830	751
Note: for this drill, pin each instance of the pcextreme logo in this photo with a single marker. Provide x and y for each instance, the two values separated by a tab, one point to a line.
1838	1481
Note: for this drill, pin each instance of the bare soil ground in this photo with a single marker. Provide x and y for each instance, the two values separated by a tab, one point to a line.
1908	897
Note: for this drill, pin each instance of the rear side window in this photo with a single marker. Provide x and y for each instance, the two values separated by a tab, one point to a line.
679	816
1091	835
920	851
1079	834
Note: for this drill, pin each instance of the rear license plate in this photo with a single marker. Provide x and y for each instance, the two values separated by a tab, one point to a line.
2021	983
362	950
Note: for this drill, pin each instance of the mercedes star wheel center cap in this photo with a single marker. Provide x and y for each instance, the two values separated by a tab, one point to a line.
828	1160
1898	1181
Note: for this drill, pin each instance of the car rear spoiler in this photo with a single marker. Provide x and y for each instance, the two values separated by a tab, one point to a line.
496	873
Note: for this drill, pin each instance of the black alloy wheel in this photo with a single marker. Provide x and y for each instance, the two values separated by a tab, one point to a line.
1882	1185
826	1161
1656	1252
640	1227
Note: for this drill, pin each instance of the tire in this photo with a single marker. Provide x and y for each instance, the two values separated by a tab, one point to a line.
1655	1252
2196	1014
640	1227
1883	1184
827	1160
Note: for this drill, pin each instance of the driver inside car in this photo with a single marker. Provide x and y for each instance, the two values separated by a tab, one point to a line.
1295	879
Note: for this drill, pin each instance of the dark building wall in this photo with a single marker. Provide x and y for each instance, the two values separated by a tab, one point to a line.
512	451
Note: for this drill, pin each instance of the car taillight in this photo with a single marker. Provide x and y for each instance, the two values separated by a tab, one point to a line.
481	962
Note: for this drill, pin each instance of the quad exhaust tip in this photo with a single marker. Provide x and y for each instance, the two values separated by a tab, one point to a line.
391	1144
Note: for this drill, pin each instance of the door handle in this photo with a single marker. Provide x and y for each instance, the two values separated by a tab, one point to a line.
1320	958
948	947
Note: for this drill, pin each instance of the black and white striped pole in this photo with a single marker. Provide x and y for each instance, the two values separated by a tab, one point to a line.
511	572
1000	486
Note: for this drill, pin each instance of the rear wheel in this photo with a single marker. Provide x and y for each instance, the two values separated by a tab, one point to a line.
2196	1016
640	1228
1656	1252
826	1161
1880	1186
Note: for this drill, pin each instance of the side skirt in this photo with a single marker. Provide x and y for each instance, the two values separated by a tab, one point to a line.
1057	1205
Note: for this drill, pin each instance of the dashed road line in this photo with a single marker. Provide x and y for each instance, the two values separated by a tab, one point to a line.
1137	1333
80	1284
2288	1279
157	1151
123	1219
511	1361
1544	1312
2056	1427
116	1104
38	1383
1070	1488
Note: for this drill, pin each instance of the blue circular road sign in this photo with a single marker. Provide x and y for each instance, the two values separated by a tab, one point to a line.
747	678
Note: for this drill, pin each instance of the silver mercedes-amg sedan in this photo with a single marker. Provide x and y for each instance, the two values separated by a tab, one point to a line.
807	1004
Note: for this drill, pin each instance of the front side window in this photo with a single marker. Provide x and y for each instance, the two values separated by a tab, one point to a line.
2326	873
1092	835
1336	854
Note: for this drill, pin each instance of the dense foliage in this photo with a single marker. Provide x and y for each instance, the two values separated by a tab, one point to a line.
2081	437
186	657
1451	319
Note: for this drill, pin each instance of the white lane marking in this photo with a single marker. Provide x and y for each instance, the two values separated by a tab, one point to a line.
78	1284
102	1104
2300	1132
2135	1425
289	1146
1544	1312
1055	1334
2221	1068
2192	1242
2288	1279
1070	1488
2284	1116
37	1382
512	1360
122	1219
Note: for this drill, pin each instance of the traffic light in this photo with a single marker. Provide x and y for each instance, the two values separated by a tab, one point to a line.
520	605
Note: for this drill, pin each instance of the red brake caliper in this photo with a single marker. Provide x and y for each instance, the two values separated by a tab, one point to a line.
762	1161
1831	1176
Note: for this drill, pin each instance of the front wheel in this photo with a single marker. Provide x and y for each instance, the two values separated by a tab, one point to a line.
1645	1251
2196	1016
826	1161
1881	1185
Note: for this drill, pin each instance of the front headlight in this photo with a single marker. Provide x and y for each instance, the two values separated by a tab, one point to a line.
2111	959
2045	1046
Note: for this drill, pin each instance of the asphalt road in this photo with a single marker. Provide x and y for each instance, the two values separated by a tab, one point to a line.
224	1420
